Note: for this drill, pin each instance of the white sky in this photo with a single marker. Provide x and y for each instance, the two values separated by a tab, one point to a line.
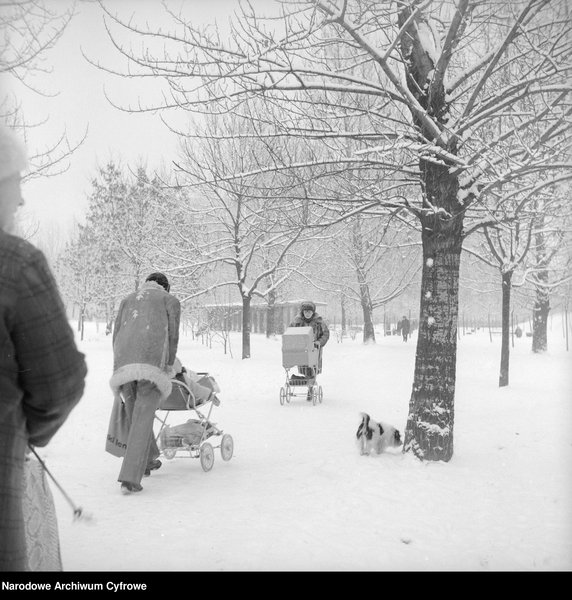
80	104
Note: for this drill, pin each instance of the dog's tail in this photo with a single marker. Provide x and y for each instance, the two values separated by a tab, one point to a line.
363	426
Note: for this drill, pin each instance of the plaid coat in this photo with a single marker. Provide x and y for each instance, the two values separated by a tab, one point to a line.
41	378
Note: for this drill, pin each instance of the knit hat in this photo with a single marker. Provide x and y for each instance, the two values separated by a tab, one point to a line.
13	159
160	279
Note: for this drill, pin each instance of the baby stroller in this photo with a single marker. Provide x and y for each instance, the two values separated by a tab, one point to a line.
192	436
298	350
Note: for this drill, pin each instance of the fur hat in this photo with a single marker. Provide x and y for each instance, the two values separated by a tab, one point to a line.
13	159
307	305
161	279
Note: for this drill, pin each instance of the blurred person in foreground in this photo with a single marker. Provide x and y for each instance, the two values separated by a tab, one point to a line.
145	340
42	373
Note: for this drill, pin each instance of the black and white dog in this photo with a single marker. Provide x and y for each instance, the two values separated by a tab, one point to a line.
375	436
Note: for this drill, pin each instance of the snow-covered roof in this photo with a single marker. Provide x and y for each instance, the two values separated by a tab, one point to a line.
263	304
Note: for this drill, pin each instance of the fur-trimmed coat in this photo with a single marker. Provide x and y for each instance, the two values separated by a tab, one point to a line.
145	338
42	377
318	325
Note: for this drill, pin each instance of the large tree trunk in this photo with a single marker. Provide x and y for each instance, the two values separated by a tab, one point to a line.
429	429
246	325
505	328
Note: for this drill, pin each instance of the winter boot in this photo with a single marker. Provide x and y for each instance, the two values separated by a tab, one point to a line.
153	466
128	488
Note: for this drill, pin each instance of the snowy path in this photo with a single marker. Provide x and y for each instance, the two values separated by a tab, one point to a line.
296	494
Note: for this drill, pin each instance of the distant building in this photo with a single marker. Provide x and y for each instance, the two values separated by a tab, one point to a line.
229	316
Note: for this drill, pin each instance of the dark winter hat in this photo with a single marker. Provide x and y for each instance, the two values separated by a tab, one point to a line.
308	305
160	279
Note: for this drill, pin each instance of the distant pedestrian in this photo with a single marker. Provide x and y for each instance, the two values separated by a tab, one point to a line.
42	373
405	327
145	340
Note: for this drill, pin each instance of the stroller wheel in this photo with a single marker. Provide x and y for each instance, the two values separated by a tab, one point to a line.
283	395
207	456
320	394
226	447
169	453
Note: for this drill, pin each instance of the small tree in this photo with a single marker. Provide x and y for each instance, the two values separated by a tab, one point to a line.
80	273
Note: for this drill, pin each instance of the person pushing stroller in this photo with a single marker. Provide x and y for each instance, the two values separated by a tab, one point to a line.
308	317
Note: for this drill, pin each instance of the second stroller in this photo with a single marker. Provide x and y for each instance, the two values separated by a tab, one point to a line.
298	350
198	436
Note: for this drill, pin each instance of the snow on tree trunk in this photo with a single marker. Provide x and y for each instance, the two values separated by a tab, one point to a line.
540	321
429	429
505	328
246	326
367	310
368	330
542	302
359	251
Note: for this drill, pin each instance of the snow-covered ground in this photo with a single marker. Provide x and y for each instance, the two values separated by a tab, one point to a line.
298	496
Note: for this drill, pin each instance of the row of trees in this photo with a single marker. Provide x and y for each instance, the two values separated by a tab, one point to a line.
409	127
135	224
454	113
223	246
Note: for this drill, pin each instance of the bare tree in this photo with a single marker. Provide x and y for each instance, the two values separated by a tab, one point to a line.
431	80
550	263
530	241
383	263
29	29
506	247
367	262
247	235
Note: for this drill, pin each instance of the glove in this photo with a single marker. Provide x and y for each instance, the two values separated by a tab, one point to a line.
317	344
